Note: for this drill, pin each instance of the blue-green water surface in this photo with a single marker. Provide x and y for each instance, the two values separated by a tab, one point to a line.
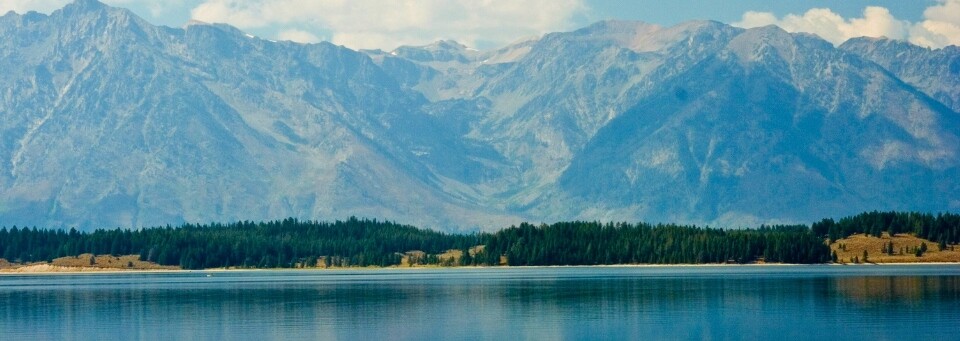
580	303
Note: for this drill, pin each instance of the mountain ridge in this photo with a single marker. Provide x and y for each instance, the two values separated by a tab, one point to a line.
107	120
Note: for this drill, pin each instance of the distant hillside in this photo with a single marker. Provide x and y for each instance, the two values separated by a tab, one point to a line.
109	121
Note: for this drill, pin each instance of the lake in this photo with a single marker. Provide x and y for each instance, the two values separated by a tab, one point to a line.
582	303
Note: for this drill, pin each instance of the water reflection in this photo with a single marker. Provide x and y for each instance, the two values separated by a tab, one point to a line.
485	304
910	290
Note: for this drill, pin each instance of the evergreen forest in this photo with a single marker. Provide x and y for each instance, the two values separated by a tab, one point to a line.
943	228
356	242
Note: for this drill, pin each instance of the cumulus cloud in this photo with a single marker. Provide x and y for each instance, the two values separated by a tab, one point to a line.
387	24
876	22
940	27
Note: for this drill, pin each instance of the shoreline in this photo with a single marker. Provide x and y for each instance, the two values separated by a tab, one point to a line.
46	269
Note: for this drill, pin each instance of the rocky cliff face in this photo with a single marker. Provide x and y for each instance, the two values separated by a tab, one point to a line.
935	72
109	121
106	120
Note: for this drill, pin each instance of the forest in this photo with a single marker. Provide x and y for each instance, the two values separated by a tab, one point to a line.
943	228
358	242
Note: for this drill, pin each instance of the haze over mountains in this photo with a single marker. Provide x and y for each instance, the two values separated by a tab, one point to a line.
107	120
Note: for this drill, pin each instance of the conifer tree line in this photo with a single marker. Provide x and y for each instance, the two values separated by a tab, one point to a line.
943	228
592	243
276	244
362	242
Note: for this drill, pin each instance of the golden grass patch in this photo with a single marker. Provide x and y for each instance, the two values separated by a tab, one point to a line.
131	262
904	246
86	262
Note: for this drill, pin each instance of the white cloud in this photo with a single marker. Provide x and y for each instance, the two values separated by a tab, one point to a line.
24	6
941	26
876	22
387	24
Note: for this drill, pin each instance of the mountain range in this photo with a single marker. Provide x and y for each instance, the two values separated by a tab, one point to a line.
109	121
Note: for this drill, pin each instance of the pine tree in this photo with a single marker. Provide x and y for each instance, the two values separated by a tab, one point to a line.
465	259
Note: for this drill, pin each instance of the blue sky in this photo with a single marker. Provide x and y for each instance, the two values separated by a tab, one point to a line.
492	23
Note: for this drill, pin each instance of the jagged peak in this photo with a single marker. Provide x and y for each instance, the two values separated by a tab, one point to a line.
194	22
885	41
620	31
447	45
694	25
618	26
768	31
88	13
227	28
756	44
692	29
772	35
94	7
447	42
85	5
874	39
645	37
438	51
776	35
640	27
30	16
439	45
874	42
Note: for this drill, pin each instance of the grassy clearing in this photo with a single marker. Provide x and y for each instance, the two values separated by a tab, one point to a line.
87	262
131	262
904	246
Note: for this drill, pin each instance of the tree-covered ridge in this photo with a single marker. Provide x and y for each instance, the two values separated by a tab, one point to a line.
943	228
362	242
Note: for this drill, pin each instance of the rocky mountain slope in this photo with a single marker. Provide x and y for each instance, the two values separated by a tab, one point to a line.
935	72
107	120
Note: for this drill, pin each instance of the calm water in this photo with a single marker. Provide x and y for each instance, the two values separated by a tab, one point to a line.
790	302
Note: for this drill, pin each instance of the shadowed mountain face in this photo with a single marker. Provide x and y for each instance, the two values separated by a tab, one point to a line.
106	120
